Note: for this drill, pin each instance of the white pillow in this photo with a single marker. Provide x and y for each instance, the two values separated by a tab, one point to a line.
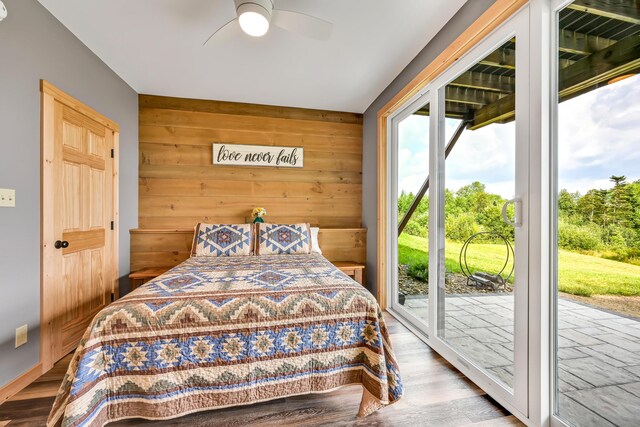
315	246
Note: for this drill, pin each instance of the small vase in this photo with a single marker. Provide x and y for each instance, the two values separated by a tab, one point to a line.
258	219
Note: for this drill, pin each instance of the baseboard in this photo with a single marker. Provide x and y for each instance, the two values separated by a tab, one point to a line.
13	387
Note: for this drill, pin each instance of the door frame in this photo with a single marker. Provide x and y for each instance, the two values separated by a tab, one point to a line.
48	176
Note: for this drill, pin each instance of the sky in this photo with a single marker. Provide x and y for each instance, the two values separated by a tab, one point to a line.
598	136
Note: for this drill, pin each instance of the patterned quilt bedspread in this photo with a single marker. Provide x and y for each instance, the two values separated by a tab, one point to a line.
226	331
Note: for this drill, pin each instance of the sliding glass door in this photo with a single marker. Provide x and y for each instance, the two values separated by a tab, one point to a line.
459	167
481	215
506	172
596	250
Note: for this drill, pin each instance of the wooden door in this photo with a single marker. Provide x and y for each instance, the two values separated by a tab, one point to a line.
78	212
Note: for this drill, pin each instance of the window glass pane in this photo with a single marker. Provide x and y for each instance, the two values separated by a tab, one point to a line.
477	301
597	251
413	213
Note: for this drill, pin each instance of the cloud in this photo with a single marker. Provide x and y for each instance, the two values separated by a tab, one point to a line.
486	155
582	185
598	136
413	153
615	106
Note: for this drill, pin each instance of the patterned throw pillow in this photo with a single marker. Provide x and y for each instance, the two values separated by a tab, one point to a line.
222	240
281	239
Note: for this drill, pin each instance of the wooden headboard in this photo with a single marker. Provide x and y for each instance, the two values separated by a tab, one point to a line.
160	248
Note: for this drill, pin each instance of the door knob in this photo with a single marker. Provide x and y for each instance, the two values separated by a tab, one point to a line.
61	244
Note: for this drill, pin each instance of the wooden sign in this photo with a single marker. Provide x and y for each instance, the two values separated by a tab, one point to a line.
258	155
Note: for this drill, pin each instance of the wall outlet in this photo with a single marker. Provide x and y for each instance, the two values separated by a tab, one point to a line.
21	335
7	198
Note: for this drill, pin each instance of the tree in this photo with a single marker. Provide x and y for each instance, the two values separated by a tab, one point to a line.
473	197
601	220
404	202
567	203
620	202
592	207
634	200
618	180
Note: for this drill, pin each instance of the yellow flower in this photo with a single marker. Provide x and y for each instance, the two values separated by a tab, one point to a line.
259	212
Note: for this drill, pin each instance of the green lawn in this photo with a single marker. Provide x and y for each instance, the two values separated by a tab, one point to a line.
579	274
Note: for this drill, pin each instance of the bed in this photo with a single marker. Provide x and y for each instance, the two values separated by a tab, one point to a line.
216	332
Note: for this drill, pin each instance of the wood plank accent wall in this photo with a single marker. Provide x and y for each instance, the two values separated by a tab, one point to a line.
179	186
160	248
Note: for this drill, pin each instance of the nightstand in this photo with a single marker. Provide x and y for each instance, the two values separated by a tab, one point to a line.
141	277
352	269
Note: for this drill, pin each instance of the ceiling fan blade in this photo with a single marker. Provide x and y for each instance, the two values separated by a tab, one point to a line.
305	25
227	31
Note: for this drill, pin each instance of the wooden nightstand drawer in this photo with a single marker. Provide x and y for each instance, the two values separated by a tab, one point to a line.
141	277
352	269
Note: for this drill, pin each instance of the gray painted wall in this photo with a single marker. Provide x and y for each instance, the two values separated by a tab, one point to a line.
460	21
34	46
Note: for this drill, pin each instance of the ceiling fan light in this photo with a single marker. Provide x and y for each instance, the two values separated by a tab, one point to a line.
254	19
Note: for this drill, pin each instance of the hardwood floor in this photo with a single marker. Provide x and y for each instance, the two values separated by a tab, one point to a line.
436	394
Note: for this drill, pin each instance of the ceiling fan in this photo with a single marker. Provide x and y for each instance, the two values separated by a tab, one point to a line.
255	16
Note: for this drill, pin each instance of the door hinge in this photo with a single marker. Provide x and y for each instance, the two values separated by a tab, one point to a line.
113	225
113	153
113	297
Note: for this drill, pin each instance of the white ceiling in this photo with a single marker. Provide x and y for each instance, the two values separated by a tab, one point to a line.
156	46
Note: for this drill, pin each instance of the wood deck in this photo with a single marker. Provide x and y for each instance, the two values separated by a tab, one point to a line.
436	394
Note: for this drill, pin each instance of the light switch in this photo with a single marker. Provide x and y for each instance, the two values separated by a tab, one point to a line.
7	198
